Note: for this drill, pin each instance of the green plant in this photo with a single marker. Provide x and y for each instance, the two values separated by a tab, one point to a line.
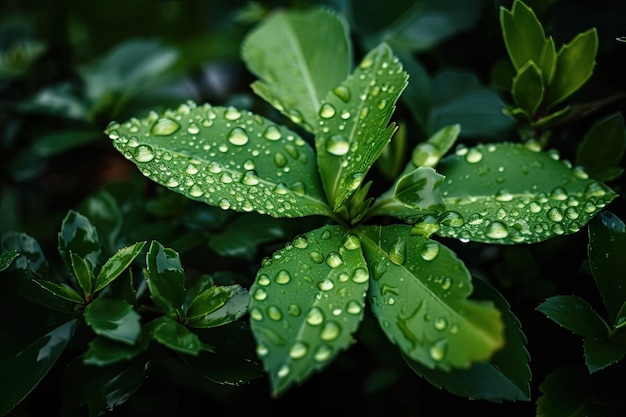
309	298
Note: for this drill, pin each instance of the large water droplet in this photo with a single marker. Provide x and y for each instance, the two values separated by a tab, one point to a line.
330	331
555	214
323	353
238	137
280	159
232	113
337	145
195	191
193	129
326	285
164	127
263	280
298	350
327	111
351	242
224	204
272	133
497	230
260	294
360	275
282	277
316	257
315	316
334	259
144	153
452	219
274	313
429	251
473	156
397	253
425	154
342	92
250	178
438	350
301	242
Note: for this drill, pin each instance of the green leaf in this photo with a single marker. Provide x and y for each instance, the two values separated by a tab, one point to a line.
31	259
575	314
600	353
419	189
225	157
114	319
116	264
353	123
217	306
607	245
103	351
418	93
602	148
165	278
299	57
61	142
528	88
429	152
104	213
83	274
575	63
419	294
547	61
175	336
507	193
78	235
307	301
505	376
63	291
22	372
523	34
7	258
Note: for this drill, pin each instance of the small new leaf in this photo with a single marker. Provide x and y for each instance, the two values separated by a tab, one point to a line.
419	189
225	157
82	273
216	306
165	278
523	34
116	264
306	303
528	88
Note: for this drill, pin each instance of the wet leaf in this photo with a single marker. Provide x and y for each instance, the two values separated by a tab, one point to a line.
165	278
82	273
78	235
31	259
217	305
600	353
299	57
429	152
607	245
507	193
116	264
575	314
419	294
575	64
103	351
7	258
306	302
22	372
225	157
505	376
602	148
175	336
63	291
114	319
353	123
420	189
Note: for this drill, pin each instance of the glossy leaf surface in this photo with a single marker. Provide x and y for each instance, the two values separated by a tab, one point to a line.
165	278
217	305
575	314
419	294
600	353
506	193
116	264
306	302
63	291
7	257
103	351
78	235
602	148
528	88
299	57
175	336
225	157
82	273
114	319
523	34
419	189
353	123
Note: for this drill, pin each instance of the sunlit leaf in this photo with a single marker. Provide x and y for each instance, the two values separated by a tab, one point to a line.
419	294
22	372
507	193
607	246
114	319
353	123
505	376
165	277
299	57
306	302
575	314
225	157
116	264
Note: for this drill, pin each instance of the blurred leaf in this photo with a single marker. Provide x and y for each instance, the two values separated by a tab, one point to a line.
375	15
417	95
298	56
242	236
31	259
215	153
607	245
83	274
23	372
7	257
306	303
165	278
600	353
420	189
505	376
429	152
217	306
54	144
114	319
574	67
61	100
528	88
78	235
175	336
602	148
116	264
507	193
575	314
104	213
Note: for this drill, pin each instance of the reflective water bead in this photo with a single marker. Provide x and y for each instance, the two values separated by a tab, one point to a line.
164	127
282	277
274	313
397	253
144	153
360	275
473	156
337	145
315	316
429	251
232	113
327	111
330	331
238	136
272	133
334	259
298	350
497	230
342	92
301	242
325	285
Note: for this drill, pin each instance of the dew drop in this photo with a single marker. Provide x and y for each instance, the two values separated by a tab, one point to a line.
255	314
397	253
144	153
249	178
425	155
295	116
315	317
452	219
316	257
504	195
195	191
281	189
354	181
555	214
238	137
280	159
351	242
473	156
226	179
282	277
297	188
334	259
164	127
193	129
326	235
429	251
440	323
360	275
337	145
326	285
283	371
301	242
263	280
343	93
367	62
558	194
232	113
249	165
497	230
272	133
274	313
330	331
327	111
323	353
215	167
438	350
354	307
294	310
298	350
260	294
224	204
191	169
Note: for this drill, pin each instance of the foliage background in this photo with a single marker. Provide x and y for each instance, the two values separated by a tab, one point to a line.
58	91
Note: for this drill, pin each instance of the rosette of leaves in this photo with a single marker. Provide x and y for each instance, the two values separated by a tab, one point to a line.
309	297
